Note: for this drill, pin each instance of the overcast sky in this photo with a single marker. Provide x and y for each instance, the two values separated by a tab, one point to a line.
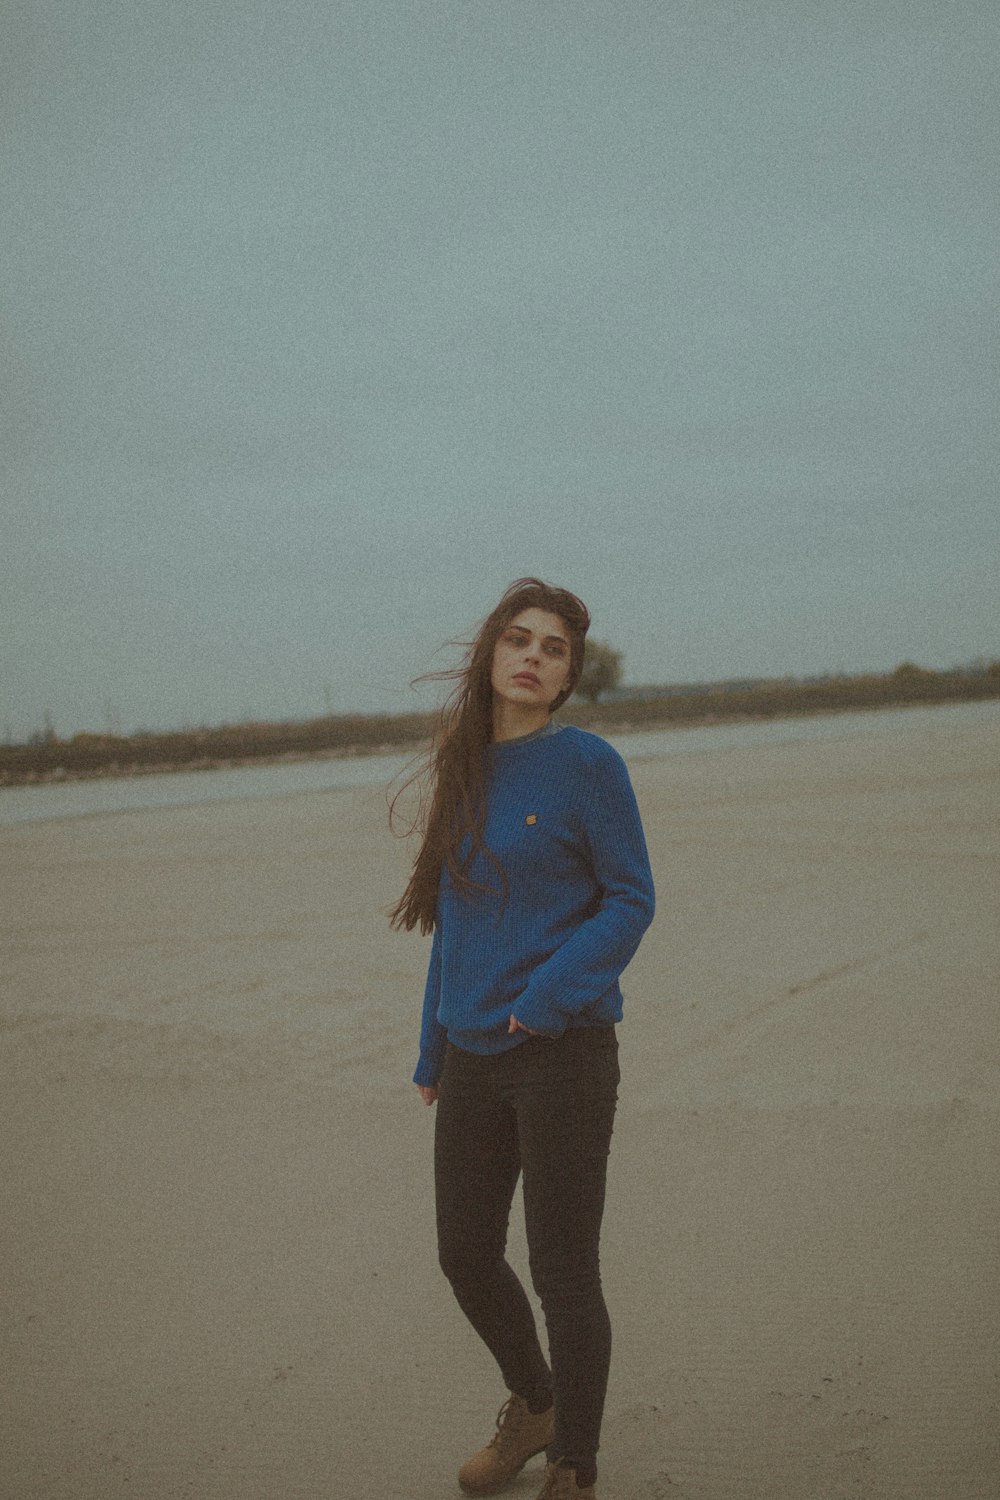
325	320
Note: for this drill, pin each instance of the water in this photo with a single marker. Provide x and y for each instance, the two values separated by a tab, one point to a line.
79	799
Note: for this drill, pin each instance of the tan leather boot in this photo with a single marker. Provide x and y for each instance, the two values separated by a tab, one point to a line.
519	1436
560	1484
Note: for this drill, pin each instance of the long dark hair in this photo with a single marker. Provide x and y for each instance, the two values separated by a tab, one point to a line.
455	773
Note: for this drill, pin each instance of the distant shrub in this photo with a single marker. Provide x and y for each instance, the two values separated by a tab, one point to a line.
909	670
602	670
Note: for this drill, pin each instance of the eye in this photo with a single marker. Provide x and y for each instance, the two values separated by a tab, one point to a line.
556	648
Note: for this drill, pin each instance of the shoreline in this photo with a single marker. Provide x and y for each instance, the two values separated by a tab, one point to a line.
116	772
599	719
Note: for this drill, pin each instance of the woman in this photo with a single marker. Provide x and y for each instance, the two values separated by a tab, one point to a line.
534	877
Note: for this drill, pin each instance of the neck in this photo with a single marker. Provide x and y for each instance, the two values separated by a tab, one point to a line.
511	722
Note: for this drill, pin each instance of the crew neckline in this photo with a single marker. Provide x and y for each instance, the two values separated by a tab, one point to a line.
548	728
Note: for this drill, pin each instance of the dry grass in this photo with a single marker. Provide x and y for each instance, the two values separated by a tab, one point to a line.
88	755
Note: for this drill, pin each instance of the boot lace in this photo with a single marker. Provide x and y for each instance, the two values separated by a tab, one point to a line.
556	1482
505	1436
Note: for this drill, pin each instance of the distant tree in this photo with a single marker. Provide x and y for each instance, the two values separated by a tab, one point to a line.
602	670
912	671
46	735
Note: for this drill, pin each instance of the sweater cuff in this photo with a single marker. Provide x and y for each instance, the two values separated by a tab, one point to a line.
544	1019
429	1070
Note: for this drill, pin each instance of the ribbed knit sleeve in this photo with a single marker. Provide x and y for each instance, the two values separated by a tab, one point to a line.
433	1036
591	959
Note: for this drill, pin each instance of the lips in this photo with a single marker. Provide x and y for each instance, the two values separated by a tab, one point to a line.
528	677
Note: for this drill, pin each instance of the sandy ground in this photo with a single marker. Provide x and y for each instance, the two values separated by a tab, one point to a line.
218	1274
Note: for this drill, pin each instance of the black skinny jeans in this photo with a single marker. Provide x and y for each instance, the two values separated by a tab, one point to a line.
545	1108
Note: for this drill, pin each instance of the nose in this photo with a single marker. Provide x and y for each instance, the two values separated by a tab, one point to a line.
533	652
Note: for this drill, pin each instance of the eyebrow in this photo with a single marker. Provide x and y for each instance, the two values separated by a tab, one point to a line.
563	638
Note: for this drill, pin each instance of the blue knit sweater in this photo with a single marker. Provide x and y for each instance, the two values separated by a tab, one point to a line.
562	819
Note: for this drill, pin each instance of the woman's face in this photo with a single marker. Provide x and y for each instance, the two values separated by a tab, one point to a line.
531	660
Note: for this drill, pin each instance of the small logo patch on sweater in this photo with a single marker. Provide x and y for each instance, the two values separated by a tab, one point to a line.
531	819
